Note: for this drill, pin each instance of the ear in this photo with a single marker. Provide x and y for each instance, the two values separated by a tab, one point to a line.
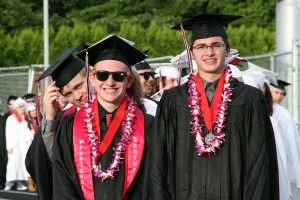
227	52
92	77
130	80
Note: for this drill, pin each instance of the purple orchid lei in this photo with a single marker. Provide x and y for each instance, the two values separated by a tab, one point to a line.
93	139
194	100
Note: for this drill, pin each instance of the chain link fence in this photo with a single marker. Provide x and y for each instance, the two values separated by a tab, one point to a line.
17	81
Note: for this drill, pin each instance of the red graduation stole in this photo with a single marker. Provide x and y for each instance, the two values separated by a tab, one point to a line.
82	158
209	113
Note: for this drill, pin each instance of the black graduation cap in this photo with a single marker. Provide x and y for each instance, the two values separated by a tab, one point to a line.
281	84
65	68
207	25
142	65
11	97
113	48
28	96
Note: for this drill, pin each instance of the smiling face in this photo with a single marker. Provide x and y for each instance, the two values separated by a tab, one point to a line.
111	92
146	85
75	91
209	54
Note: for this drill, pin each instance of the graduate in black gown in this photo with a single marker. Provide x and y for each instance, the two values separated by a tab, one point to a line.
212	136
68	73
93	157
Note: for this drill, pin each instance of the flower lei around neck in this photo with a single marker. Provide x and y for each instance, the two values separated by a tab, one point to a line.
194	100
93	139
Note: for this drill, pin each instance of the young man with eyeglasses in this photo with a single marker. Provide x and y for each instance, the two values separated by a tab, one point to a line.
101	150
212	136
68	73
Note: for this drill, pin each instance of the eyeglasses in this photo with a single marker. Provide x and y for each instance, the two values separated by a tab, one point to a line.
147	75
213	46
117	76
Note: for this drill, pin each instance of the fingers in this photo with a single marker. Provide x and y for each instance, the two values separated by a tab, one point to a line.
50	103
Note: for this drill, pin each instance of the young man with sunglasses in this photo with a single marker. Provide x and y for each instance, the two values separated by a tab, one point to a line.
68	73
101	150
212	136
146	78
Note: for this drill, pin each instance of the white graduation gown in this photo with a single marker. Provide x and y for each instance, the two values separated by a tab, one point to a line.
291	138
284	181
150	106
18	138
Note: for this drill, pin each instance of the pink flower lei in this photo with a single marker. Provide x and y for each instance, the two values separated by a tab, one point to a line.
93	139
194	100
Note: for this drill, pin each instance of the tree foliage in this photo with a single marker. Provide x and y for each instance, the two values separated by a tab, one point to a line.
146	22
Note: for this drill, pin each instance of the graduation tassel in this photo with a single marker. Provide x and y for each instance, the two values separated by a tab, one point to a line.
39	104
187	47
89	98
180	71
160	83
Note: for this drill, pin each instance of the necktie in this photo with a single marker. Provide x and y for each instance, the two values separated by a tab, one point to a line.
209	90
108	119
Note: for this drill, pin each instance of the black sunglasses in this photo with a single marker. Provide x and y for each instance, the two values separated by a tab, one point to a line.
117	76
147	75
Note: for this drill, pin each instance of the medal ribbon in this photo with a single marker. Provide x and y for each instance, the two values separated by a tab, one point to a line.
209	113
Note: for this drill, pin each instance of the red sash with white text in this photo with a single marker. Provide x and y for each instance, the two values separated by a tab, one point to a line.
82	157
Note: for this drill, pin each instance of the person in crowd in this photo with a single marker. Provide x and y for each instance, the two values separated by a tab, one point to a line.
33	125
146	74
29	97
289	130
260	78
18	139
288	127
166	77
31	117
3	153
150	106
109	161
278	91
68	73
212	136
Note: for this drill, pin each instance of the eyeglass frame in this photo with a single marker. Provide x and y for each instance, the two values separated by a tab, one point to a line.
147	75
126	74
213	46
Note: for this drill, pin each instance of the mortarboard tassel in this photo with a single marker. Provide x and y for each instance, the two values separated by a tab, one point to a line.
39	104
89	98
187	47
180	71
160	83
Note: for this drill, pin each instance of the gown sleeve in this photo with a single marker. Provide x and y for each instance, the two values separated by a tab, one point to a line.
65	181
39	166
162	143
261	179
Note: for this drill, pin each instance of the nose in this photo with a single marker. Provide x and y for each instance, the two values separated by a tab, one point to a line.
175	83
77	95
110	81
209	51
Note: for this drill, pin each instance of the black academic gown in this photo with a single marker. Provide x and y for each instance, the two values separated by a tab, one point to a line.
39	166
65	181
244	168
3	152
